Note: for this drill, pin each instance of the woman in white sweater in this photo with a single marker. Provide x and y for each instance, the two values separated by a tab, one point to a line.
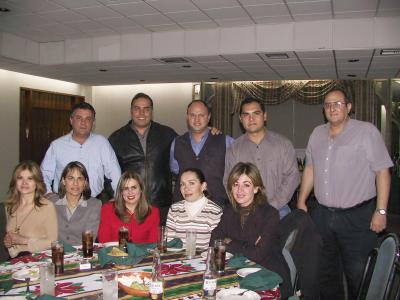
195	211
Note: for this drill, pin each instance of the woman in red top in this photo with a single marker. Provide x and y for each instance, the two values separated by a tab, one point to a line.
130	209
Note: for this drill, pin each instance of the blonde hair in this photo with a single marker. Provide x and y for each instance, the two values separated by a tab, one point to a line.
142	209
260	198
13	195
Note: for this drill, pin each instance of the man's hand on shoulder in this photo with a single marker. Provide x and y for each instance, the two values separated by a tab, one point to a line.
215	131
378	222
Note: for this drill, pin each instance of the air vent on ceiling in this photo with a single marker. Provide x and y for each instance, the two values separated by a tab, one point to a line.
394	51
173	60
276	55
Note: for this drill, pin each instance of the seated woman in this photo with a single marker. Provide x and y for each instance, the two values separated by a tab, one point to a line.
76	210
130	209
250	226
31	218
195	211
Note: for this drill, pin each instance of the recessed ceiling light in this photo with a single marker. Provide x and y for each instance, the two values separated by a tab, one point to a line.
351	75
173	60
103	70
214	78
186	66
4	9
281	55
393	51
353	60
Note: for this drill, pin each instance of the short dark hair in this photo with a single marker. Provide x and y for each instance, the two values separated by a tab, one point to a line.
83	105
75	165
248	100
346	97
142	95
200	176
198	101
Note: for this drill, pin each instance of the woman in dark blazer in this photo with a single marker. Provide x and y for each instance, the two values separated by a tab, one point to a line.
76	210
250	226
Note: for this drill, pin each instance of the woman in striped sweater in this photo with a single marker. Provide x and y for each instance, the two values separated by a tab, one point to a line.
195	212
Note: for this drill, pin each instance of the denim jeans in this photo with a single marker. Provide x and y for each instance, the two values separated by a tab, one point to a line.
347	241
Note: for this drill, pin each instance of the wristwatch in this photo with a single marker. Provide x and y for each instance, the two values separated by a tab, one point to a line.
381	211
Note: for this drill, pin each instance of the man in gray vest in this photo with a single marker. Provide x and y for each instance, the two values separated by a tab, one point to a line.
197	148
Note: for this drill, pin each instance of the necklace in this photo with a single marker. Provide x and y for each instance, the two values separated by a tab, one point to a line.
18	227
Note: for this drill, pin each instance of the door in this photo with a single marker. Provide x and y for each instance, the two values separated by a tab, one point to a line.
44	116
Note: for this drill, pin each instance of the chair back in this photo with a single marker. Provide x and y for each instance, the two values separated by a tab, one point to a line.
286	251
380	270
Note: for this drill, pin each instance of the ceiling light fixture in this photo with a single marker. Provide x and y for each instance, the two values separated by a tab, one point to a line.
393	51
186	66
353	60
4	9
214	78
173	60
103	70
351	75
277	55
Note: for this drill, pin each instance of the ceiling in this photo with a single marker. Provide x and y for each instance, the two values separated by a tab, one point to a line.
56	33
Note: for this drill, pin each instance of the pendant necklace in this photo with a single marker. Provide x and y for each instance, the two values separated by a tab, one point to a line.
18	227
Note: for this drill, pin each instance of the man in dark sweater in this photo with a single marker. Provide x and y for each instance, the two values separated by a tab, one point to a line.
197	148
143	146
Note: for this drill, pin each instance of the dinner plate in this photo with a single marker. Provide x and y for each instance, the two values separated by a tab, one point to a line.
233	294
110	244
31	273
228	255
175	249
66	255
246	271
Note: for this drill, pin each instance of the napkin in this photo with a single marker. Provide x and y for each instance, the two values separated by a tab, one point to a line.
238	261
48	297
140	250
136	252
68	247
261	280
6	285
175	243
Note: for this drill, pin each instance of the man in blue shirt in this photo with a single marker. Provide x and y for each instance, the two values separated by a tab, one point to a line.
81	144
197	148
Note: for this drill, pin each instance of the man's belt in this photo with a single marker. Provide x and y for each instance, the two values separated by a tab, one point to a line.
347	209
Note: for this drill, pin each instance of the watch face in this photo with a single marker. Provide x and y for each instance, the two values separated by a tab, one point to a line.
381	211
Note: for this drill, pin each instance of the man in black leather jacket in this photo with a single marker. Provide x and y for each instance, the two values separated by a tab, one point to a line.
143	146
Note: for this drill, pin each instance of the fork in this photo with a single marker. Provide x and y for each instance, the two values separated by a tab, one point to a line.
27	280
242	293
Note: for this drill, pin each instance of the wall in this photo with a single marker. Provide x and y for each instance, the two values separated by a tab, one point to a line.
112	104
10	83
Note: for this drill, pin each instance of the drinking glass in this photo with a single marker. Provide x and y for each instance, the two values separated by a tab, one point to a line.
110	285
219	255
47	283
190	243
123	237
162	241
87	243
57	256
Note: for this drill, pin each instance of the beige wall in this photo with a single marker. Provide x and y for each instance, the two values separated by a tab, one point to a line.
10	83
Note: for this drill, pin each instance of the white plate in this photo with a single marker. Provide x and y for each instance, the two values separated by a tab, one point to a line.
232	294
228	255
32	273
175	249
246	271
66	255
111	244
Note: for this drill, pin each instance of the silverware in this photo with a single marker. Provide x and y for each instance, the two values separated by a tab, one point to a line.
242	293
27	280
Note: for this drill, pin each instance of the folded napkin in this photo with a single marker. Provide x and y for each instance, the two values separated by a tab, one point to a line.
261	280
175	243
48	297
136	252
68	248
6	285
238	261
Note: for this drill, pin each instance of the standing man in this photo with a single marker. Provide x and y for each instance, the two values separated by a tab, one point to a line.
199	148
272	153
92	150
347	164
143	146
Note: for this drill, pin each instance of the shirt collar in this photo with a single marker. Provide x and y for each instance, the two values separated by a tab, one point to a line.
203	137
63	201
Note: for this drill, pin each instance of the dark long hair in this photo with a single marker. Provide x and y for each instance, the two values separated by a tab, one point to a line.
142	209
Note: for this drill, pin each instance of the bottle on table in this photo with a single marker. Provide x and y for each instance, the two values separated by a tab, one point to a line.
157	282
210	277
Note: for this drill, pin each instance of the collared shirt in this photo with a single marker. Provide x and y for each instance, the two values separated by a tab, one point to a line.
142	138
173	163
96	154
275	158
69	212
345	167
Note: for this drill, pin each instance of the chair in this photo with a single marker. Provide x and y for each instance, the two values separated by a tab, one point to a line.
380	279
286	251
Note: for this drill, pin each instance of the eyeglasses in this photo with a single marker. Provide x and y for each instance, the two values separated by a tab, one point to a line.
335	105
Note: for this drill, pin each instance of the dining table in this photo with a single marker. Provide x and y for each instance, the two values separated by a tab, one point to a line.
183	278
